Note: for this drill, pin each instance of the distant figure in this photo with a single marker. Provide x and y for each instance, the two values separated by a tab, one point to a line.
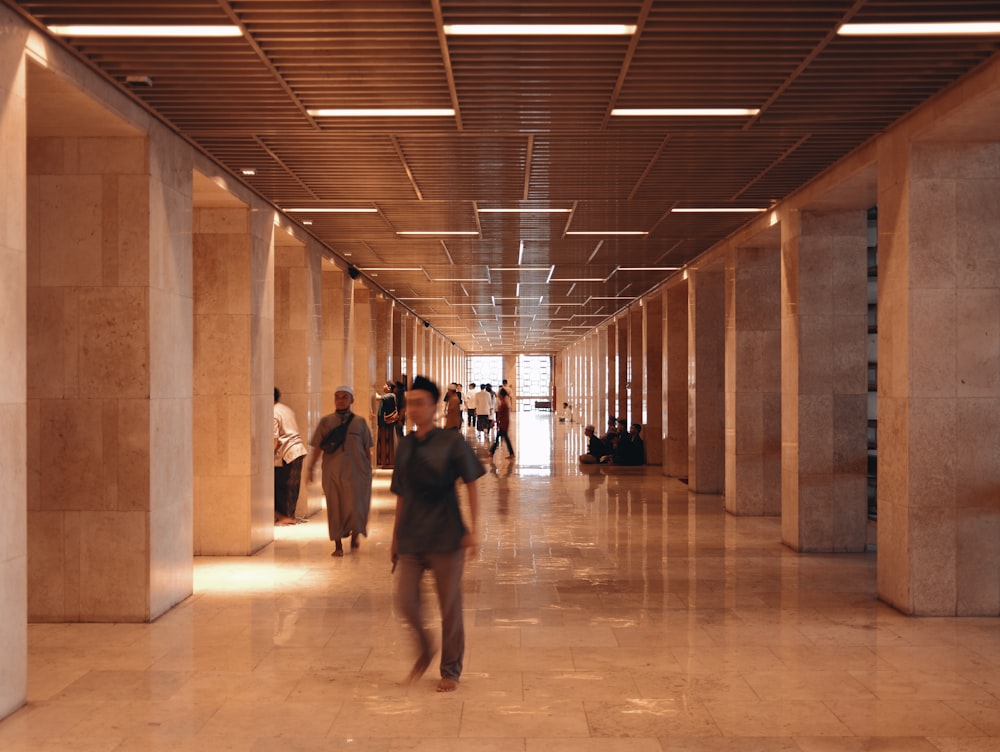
503	423
288	453
566	413
483	405
452	409
344	441
470	406
386	418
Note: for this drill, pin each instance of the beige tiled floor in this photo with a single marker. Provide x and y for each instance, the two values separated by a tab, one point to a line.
605	613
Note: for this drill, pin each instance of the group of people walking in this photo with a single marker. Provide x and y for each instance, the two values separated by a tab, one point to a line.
429	530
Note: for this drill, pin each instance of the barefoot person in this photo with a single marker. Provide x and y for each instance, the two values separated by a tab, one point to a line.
429	532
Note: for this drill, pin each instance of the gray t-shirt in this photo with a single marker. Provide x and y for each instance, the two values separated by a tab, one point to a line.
425	474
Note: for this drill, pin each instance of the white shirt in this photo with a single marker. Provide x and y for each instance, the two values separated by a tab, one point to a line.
290	446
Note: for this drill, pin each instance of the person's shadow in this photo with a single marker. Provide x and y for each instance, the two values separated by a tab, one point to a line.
503	487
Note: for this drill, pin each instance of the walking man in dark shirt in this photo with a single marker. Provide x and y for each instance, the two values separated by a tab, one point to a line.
429	531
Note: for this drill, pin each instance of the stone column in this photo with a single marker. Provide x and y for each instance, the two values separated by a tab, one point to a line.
13	371
363	377
398	358
233	381
675	362
622	353
296	350
338	313
753	381
939	378
824	380
706	381
652	367
637	361
610	375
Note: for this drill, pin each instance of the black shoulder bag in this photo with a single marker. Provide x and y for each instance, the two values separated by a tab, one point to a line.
335	439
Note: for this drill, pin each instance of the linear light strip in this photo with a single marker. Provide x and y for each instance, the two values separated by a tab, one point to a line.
959	28
194	30
330	210
607	232
387	112
718	210
686	112
601	30
524	211
437	232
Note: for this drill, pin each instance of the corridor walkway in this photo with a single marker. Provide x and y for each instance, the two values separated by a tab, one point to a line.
605	612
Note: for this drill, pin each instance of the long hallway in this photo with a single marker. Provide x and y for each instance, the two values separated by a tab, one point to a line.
606	610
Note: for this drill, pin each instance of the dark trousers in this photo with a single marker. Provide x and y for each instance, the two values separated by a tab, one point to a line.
447	571
496	442
286	487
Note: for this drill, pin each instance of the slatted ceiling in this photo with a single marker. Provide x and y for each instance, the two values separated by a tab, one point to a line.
467	165
532	124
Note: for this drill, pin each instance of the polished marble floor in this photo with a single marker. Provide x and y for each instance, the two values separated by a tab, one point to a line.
610	611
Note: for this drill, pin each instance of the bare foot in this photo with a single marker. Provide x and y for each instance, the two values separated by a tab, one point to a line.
354	541
447	685
419	668
283	521
338	552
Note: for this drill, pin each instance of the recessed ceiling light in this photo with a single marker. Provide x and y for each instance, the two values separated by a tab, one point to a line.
368	113
686	112
717	210
331	210
920	29
95	30
539	29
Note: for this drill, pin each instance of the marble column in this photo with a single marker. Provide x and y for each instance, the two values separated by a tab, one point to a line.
233	380
610	375
382	311
108	373
13	373
653	382
753	381
939	378
824	380
622	353
397	358
675	383
296	339
637	361
363	378
338	354
706	381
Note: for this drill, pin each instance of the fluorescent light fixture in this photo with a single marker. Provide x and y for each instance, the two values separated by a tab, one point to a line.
331	210
248	171
391	268
519	268
437	232
307	221
607	232
524	211
648	268
718	210
96	30
920	29
590	30
577	279
387	112
687	112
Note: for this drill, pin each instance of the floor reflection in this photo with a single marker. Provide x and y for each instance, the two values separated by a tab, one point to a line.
605	609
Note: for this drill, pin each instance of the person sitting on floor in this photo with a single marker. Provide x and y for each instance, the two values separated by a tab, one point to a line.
630	449
596	449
